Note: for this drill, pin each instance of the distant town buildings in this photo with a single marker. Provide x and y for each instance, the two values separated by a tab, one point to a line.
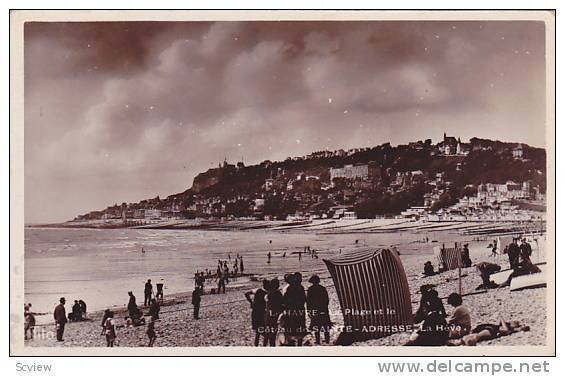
417	174
352	172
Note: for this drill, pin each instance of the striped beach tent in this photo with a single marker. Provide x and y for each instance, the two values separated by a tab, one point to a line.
448	258
373	293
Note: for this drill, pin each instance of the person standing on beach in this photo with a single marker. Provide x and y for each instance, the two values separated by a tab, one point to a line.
494	251
110	330
104	317
465	257
317	304
294	317
132	306
29	322
525	250
196	299
76	312
221	283
514	254
241	264
269	258
258	310
82	309
60	317
147	292
154	309
274	307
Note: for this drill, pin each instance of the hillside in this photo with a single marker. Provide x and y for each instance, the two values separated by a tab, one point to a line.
382	180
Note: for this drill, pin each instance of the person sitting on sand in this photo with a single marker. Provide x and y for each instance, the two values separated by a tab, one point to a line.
429	302
432	331
110	330
486	269
151	334
460	320
429	269
258	310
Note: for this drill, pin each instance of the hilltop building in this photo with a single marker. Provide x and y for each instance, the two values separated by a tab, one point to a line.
452	146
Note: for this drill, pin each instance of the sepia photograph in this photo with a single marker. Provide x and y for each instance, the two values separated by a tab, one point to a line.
283	182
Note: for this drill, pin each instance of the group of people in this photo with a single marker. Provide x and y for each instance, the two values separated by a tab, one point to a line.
78	311
519	259
135	317
278	315
149	295
434	326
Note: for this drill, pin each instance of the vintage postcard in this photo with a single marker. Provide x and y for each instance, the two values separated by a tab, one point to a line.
282	183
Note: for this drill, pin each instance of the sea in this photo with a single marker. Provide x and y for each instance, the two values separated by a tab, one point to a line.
100	266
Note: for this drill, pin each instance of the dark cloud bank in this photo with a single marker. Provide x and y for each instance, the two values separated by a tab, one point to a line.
124	111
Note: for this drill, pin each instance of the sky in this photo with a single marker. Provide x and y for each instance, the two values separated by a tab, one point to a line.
123	111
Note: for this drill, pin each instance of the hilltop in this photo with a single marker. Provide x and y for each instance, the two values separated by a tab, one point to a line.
373	181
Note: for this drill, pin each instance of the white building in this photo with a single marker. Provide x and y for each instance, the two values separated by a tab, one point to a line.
152	214
350	172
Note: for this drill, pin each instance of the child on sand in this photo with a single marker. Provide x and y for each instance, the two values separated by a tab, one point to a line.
151	332
29	325
110	330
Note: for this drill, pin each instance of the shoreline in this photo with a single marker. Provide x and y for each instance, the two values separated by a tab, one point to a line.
176	327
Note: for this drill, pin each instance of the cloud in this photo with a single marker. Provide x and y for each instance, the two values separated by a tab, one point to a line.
120	112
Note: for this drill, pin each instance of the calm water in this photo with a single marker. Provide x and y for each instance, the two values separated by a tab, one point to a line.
100	266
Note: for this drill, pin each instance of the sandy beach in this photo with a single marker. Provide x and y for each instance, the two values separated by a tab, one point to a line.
226	318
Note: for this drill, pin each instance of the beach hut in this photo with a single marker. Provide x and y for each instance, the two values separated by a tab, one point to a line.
373	293
448	258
